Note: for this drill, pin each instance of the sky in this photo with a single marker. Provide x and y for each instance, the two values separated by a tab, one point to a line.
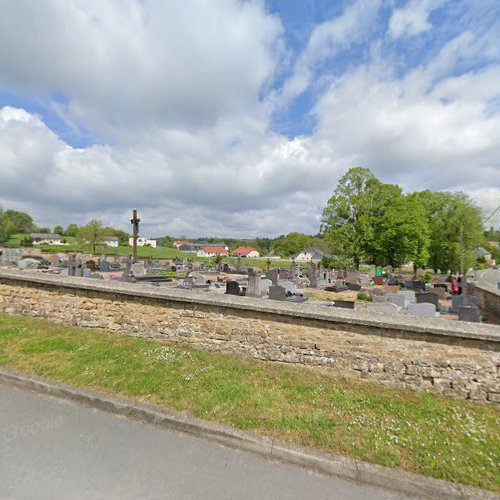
237	118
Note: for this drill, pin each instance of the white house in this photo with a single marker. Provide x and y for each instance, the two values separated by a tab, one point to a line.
249	253
142	242
211	252
308	255
111	241
46	239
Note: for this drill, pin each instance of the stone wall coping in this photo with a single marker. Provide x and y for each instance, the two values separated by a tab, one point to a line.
439	327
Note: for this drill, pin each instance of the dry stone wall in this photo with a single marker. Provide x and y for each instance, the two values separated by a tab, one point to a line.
465	368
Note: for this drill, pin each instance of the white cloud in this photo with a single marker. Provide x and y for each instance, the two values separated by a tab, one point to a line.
180	93
413	18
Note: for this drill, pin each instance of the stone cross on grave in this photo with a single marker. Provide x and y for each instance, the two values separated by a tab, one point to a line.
135	225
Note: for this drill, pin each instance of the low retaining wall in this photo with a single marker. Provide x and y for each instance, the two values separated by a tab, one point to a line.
457	359
489	301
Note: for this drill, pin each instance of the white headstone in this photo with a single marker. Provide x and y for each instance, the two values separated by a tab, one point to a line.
423	310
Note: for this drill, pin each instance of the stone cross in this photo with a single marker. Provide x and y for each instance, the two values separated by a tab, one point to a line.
135	225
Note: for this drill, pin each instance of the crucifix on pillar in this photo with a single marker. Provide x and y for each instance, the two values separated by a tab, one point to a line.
135	224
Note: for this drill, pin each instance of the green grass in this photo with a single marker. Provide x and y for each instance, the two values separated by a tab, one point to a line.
422	433
162	253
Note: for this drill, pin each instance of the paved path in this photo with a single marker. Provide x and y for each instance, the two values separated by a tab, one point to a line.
53	449
491	277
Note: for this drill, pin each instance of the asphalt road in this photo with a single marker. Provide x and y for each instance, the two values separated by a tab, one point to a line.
54	449
491	276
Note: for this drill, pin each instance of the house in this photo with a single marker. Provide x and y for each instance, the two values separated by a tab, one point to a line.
111	241
482	252
211	251
143	242
246	252
46	239
178	244
308	255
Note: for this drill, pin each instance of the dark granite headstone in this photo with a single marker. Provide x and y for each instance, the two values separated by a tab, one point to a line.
353	286
429	297
345	304
336	288
226	268
104	266
272	275
232	288
277	292
469	313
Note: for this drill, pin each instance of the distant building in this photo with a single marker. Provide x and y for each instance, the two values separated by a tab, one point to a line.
488	258
309	255
246	252
178	244
211	251
111	241
46	239
142	242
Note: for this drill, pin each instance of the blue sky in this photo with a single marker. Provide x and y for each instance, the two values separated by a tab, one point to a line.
225	117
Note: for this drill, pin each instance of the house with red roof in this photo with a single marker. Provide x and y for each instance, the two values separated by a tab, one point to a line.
178	244
211	251
246	252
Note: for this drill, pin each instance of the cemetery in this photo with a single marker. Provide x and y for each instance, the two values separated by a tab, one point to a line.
309	284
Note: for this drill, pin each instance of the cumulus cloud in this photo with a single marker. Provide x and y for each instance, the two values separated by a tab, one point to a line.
180	96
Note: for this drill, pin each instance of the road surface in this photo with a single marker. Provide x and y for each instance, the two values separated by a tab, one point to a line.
51	449
491	277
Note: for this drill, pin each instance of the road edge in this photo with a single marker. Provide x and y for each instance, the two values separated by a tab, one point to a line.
337	465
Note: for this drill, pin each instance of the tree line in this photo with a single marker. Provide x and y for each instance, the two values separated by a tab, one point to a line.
373	222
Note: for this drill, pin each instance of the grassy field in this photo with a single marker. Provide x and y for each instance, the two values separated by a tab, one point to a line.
421	433
163	253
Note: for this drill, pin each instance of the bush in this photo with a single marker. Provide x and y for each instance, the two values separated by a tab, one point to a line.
364	296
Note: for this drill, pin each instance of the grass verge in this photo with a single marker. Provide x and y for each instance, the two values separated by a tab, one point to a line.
423	433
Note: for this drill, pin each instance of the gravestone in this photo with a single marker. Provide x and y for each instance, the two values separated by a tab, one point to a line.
253	288
264	285
272	275
54	261
384	308
380	298
104	266
11	256
87	273
409	284
429	297
344	304
126	275
28	264
336	288
364	278
352	277
393	281
277	292
469	313
441	285
458	301
199	279
79	265
71	265
232	288
440	292
313	277
378	280
138	270
353	286
286	284
423	310
409	296
283	274
226	268
396	298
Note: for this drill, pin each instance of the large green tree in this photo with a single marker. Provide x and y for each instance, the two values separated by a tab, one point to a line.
367	220
18	222
452	218
93	234
291	244
348	216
